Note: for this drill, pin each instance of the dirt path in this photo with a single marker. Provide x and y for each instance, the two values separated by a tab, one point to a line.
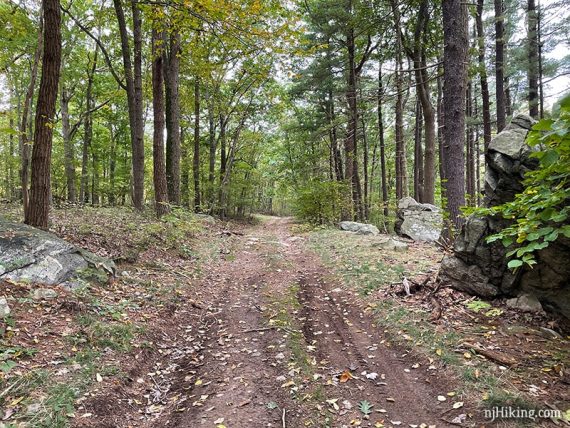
270	350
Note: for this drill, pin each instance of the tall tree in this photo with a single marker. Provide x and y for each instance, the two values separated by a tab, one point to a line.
456	45
401	168
533	61
37	212
196	158
132	64
501	106
427	193
25	118
173	141
483	74
383	182
159	165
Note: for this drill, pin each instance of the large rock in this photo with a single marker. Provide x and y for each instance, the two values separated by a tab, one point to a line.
481	268
420	222
358	228
33	255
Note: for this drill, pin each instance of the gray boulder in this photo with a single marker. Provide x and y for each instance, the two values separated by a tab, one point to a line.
420	222
358	228
525	302
480	268
33	255
4	308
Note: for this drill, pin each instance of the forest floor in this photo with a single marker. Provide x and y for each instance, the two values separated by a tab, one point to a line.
268	325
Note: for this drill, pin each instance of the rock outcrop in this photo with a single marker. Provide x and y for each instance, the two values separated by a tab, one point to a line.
480	268
420	222
358	228
33	255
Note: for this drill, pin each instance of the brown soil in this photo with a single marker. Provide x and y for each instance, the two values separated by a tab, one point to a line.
222	361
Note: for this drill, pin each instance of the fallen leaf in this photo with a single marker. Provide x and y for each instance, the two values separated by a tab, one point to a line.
458	405
345	376
99	377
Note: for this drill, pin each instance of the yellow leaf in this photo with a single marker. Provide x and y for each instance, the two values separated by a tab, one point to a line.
198	382
345	376
467	355
438	352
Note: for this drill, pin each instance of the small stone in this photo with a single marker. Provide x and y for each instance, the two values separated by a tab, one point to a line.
4	308
525	302
33	408
44	293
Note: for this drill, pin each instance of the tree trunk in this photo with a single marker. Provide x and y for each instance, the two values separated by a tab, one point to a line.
112	167
185	167
470	148
533	71
173	144
87	133
418	156
483	74
366	209
196	158
427	193
133	82
37	213
455	79
383	183
159	163
26	117
352	128
401	173
540	64
212	143
499	64
69	155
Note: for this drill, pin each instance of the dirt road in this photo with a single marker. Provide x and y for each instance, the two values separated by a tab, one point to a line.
279	344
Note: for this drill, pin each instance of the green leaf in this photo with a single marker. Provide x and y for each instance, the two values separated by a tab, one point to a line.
6	366
365	407
513	264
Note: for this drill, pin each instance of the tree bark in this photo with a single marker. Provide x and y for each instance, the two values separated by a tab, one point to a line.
418	156
173	142
87	133
533	69
159	163
25	118
499	64
196	158
427	193
212	143
69	155
133	81
383	183
350	149
455	80
401	169
483	74
37	213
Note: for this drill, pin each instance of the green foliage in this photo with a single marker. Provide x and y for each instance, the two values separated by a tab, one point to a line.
477	305
321	202
540	213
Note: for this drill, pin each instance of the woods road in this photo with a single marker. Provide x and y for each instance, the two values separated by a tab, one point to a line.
223	364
